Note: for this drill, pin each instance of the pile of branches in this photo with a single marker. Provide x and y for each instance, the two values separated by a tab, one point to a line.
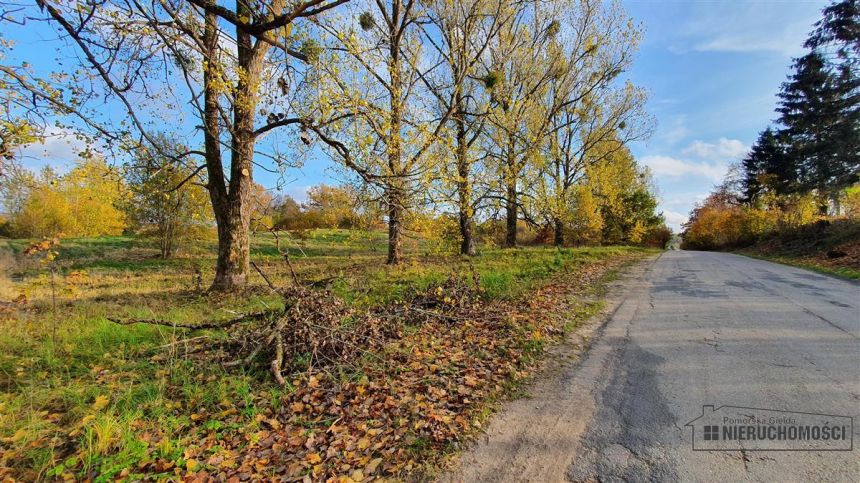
317	329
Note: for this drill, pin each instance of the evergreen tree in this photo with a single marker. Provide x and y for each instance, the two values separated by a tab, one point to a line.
820	119
766	167
838	31
820	104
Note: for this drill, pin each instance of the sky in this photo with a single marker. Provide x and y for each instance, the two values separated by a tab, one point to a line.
712	68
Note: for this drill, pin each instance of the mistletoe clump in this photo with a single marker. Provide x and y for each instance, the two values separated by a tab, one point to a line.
366	21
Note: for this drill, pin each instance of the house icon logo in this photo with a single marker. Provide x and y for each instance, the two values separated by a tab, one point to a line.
731	428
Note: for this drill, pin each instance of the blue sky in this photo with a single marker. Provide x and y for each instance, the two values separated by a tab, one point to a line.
712	68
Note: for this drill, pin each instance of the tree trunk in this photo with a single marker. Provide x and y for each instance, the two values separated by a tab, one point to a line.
395	192
467	245
559	233
511	215
232	204
511	205
231	270
464	187
395	227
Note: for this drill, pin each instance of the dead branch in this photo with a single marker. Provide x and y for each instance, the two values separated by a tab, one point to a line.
214	325
265	277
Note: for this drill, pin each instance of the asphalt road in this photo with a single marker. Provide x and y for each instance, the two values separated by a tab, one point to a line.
691	329
721	329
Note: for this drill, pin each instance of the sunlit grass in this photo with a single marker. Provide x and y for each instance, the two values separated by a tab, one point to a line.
49	383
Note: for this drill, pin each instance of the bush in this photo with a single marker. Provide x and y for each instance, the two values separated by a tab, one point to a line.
658	237
851	203
717	224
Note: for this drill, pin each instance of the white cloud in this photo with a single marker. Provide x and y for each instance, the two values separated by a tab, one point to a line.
678	130
674	219
667	166
59	149
746	27
786	41
699	159
723	149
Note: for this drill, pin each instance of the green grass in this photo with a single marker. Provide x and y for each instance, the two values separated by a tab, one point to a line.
49	384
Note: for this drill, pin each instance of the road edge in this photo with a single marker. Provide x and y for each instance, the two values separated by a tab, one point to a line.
564	390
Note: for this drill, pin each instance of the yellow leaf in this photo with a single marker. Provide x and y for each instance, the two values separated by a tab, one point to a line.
373	465
192	465
100	403
313	458
363	443
18	436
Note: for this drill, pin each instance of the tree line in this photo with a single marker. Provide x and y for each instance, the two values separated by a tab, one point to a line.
482	109
807	166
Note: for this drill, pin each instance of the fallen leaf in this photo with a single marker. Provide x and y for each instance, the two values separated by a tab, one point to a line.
100	403
372	466
363	443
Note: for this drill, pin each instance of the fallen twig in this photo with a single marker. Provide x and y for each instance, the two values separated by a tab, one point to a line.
214	325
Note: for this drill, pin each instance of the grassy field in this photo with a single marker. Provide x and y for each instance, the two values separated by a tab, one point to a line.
85	398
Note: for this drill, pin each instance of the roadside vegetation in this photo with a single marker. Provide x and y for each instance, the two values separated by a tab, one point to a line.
170	312
84	397
831	247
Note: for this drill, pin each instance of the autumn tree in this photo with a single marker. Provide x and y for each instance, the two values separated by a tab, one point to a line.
623	196
38	209
460	33
162	203
594	130
286	213
232	76
523	60
553	70
378	82
85	202
333	206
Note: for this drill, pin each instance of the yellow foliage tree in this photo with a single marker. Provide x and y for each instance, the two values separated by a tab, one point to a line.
45	212
82	203
95	190
586	220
